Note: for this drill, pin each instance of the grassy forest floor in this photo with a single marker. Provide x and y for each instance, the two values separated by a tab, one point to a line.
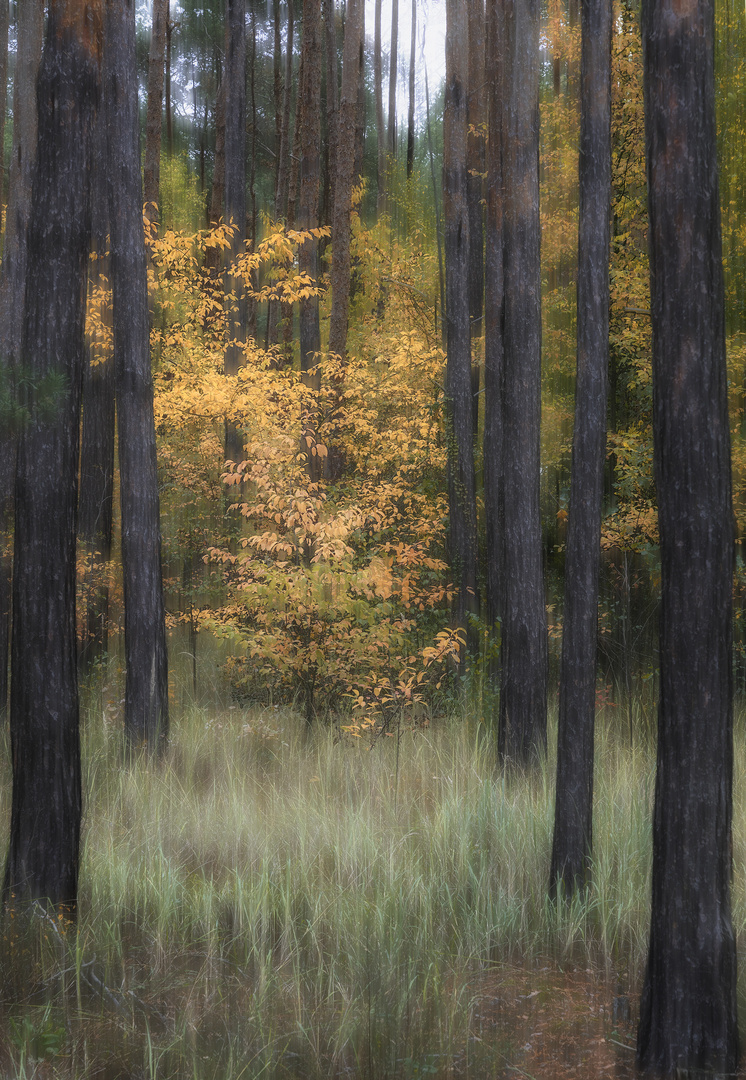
269	901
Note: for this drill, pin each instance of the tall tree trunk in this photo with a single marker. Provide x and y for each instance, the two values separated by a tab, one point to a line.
29	33
410	114
461	479
340	269
234	82
277	81
361	119
494	364
146	687
688	1022
330	33
393	56
573	812
4	25
431	155
475	148
154	119
217	196
523	699
281	197
96	496
167	86
44	848
380	129
308	203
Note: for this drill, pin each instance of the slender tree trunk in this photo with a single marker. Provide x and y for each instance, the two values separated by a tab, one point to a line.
44	845
4	25
217	196
146	688
154	119
523	699
96	497
281	198
431	155
234	81
573	813
340	270
308	203
277	82
167	86
461	479
361	119
494	363
410	114
380	129
330	32
688	1022
475	148
393	56
29	32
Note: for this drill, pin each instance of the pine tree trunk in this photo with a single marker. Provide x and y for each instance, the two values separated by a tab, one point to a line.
475	148
688	1022
494	365
234	83
95	503
393	57
332	105
4	25
380	129
573	814
154	119
146	688
461	479
281	198
410	113
29	32
308	202
523	698
341	235
44	848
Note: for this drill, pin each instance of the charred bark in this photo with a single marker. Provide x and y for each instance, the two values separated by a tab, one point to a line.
523	698
44	847
573	813
461	479
688	1022
146	686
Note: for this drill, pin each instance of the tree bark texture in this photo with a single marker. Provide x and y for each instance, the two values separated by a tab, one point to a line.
380	129
281	198
4	25
688	1022
234	84
410	111
44	844
29	33
146	687
310	159
96	496
494	366
523	698
341	227
332	105
475	169
461	479
573	813
154	118
393	57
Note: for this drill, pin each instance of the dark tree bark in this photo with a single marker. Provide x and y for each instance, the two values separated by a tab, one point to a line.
523	698
361	120
281	198
154	120
96	498
277	81
44	845
494	367
29	32
380	129
410	112
330	37
217	195
167	85
393	57
308	203
234	84
475	156
146	687
341	229
4	25
431	155
461	479
573	812
688	1022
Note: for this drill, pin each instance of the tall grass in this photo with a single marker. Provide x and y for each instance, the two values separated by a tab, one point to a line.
269	902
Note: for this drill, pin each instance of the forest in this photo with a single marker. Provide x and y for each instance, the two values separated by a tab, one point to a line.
372	525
